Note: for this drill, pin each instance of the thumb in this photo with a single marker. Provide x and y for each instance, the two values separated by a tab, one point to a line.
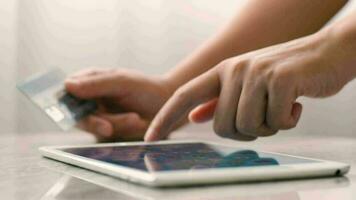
94	86
296	111
203	112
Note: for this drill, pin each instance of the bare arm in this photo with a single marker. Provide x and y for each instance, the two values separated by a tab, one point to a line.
257	92
258	24
137	98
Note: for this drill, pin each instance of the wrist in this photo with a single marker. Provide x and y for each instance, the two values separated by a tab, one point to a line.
338	47
345	32
345	38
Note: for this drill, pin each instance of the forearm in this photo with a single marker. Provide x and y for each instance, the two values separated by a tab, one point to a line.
342	36
257	25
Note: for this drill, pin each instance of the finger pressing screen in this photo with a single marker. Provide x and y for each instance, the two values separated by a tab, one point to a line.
195	92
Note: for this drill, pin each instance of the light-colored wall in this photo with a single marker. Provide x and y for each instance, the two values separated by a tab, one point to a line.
8	47
151	36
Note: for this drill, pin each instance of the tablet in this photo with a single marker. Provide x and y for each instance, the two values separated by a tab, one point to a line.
173	163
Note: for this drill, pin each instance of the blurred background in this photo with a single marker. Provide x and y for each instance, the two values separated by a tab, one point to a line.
147	35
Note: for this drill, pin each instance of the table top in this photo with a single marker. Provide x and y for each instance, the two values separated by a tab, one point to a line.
24	174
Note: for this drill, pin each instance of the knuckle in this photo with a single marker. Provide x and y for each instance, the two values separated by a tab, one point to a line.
222	130
280	78
225	63
182	94
236	69
260	65
233	66
117	75
245	127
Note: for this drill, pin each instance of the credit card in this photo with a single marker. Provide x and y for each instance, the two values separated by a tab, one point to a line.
47	91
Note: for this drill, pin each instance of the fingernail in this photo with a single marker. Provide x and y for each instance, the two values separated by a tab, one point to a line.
104	130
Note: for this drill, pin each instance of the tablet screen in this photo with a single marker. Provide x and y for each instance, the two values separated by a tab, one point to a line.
182	156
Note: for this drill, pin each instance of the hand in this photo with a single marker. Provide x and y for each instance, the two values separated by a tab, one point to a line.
127	101
257	92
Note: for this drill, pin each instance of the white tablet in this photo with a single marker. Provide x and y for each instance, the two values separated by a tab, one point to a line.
173	163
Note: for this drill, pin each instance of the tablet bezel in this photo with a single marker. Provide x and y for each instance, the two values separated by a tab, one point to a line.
200	176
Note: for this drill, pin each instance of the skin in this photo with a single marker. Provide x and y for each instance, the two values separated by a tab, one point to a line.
122	97
137	107
257	92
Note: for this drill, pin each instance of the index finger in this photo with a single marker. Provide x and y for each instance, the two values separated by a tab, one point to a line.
195	92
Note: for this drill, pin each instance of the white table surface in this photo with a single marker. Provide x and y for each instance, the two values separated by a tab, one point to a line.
24	174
